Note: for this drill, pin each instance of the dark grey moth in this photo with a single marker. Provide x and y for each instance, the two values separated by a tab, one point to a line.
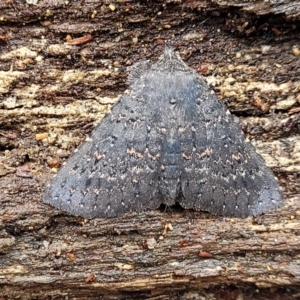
167	140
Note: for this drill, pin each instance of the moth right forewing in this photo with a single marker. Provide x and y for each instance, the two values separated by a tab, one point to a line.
196	172
228	175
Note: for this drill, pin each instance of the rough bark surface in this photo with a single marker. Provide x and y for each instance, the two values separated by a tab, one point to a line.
62	65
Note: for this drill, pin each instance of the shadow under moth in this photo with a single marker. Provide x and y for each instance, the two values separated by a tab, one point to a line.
168	140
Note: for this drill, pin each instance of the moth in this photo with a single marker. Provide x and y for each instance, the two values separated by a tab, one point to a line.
168	140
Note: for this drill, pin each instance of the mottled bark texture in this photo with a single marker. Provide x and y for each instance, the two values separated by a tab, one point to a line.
62	65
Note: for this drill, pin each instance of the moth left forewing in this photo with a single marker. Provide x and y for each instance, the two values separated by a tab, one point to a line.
113	171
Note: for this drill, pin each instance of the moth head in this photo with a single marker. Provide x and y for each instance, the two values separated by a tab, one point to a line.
170	62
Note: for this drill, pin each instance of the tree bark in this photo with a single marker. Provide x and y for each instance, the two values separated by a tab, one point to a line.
62	65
